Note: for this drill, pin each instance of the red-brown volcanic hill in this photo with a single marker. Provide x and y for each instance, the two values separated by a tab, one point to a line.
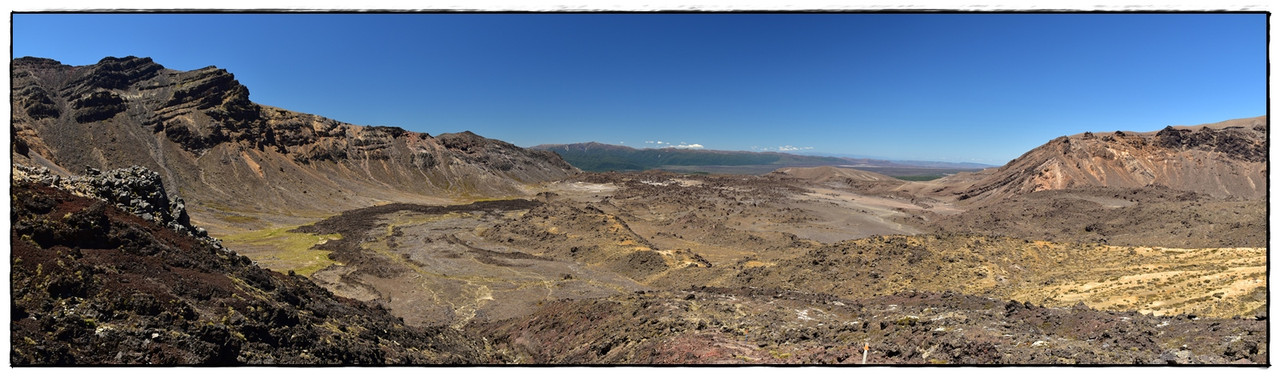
199	130
1222	159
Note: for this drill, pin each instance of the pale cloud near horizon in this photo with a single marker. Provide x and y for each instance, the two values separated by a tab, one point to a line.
681	145
783	148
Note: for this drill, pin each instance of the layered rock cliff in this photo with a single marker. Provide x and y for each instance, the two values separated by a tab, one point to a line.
200	131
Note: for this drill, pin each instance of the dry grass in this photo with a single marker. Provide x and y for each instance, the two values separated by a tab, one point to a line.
1218	282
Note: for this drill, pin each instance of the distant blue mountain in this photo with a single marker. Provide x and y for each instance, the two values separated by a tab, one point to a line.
593	156
918	163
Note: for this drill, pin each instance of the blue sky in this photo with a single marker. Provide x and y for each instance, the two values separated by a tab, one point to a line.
946	87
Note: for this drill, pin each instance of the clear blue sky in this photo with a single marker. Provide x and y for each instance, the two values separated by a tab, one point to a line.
947	87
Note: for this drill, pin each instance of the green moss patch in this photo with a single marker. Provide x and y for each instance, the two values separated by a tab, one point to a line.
292	250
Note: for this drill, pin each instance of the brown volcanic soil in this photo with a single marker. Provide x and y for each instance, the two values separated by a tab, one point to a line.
825	174
764	326
1207	282
1145	216
726	218
522	274
430	265
1124	217
615	233
602	235
94	285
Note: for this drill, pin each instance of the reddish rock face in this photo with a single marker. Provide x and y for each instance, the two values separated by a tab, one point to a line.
1225	159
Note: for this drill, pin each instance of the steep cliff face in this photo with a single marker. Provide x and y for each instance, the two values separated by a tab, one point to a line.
201	132
1222	160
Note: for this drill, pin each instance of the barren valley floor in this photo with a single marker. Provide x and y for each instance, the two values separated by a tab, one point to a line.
608	238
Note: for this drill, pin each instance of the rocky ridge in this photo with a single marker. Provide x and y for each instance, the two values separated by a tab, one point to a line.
1226	159
200	131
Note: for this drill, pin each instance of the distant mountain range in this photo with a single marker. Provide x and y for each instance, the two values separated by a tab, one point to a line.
593	156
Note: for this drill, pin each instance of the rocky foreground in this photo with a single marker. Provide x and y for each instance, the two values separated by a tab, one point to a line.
114	281
94	285
704	325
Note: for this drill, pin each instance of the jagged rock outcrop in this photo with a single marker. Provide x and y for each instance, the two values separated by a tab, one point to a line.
37	104
1225	159
200	131
118	73
134	189
1235	142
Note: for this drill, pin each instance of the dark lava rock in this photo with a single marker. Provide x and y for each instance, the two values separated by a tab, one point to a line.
37	63
37	103
95	285
120	73
1235	143
98	106
134	189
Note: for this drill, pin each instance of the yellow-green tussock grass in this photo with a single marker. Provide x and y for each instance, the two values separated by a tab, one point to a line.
287	250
